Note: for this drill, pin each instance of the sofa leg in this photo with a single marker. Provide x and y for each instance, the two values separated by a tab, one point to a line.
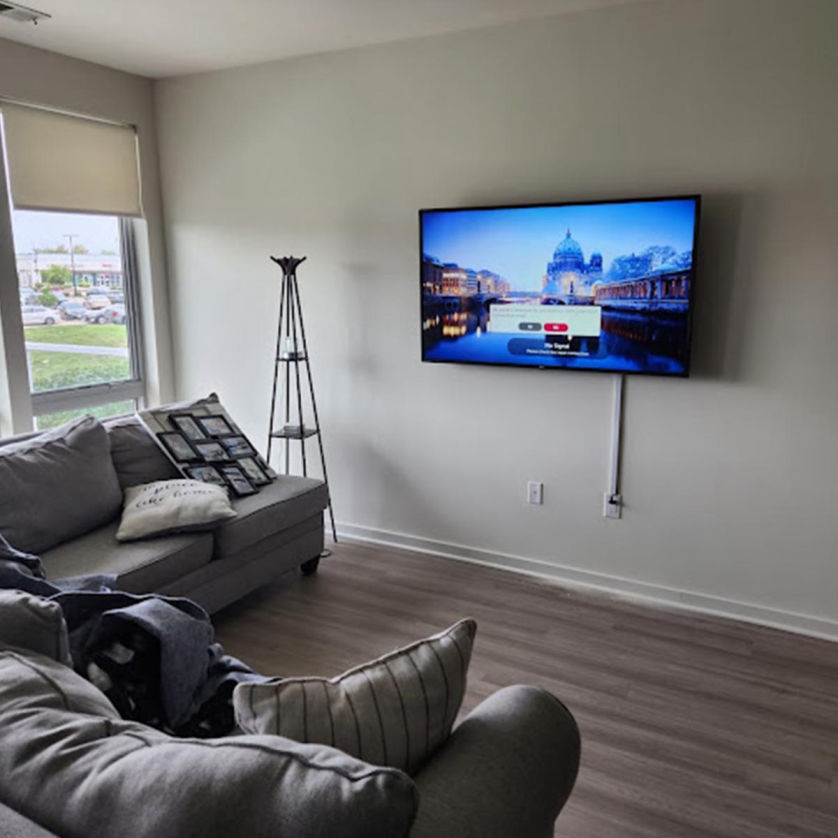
309	568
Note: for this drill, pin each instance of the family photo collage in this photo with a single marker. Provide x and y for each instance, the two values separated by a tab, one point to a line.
209	447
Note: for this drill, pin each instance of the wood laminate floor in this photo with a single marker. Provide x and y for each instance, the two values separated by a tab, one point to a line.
692	727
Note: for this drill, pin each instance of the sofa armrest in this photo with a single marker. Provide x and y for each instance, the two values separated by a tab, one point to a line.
506	770
14	825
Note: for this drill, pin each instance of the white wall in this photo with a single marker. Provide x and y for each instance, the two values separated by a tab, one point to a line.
39	77
730	476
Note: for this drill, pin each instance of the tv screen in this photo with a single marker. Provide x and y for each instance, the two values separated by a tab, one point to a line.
590	286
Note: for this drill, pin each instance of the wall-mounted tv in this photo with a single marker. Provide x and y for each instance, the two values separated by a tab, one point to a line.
589	286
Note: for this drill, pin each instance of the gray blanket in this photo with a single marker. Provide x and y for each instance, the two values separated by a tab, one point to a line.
153	656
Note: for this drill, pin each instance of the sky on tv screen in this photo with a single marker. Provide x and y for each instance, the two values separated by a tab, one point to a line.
517	243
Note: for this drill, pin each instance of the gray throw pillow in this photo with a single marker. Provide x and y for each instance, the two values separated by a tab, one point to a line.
396	710
70	764
136	457
57	486
34	624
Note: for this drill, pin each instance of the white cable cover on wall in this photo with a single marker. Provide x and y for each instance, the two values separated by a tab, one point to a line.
71	164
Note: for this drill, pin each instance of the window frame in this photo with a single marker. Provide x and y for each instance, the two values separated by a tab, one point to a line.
19	406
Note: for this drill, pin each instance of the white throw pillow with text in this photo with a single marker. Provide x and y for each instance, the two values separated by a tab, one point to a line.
170	506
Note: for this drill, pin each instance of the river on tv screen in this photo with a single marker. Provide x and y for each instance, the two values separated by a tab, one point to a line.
585	286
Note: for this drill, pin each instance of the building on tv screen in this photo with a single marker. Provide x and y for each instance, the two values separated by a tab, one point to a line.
586	286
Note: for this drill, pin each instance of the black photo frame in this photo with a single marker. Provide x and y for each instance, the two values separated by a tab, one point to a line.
179	447
237	481
186	424
253	471
206	474
215	425
211	451
238	446
266	467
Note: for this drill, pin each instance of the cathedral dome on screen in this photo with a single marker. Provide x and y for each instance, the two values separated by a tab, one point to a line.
568	254
569	279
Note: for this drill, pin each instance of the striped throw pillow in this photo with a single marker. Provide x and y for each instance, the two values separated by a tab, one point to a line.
395	711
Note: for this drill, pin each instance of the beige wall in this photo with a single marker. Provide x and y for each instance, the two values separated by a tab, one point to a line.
730	476
45	78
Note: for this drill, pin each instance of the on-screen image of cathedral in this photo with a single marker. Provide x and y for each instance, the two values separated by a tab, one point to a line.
568	276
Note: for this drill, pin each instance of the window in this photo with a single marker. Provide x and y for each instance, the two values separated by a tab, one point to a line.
71	186
76	294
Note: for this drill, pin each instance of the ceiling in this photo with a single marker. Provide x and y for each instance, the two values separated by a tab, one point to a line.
159	38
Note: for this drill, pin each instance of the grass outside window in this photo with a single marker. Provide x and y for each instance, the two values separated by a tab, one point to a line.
109	334
51	369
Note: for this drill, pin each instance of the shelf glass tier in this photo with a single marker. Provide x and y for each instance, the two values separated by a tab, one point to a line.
293	432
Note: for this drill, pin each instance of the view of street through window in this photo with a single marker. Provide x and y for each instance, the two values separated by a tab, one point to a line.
73	305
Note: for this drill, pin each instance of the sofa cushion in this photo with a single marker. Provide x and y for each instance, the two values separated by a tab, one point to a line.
57	486
396	710
137	458
33	623
69	763
31	683
140	566
171	506
282	504
14	825
223	581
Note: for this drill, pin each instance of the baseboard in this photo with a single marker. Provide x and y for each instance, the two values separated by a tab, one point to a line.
602	582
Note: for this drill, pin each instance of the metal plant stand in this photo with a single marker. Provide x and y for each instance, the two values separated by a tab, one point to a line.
291	353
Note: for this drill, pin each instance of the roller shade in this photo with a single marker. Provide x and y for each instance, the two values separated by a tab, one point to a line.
70	164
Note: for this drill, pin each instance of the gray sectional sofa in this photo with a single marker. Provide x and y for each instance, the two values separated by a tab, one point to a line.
61	496
71	767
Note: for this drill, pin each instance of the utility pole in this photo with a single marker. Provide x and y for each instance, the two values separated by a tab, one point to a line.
72	236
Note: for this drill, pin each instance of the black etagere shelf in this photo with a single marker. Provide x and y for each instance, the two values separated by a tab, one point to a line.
292	373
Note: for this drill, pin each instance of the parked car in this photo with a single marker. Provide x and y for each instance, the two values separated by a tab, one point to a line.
72	310
98	301
116	297
39	316
111	314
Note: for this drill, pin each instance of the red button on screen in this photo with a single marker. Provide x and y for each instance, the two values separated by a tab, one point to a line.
555	327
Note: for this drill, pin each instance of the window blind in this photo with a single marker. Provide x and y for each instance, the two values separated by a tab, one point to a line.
70	164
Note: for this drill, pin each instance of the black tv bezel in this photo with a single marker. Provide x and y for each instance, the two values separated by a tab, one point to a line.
536	205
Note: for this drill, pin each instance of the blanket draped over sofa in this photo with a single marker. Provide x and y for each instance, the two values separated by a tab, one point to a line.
153	656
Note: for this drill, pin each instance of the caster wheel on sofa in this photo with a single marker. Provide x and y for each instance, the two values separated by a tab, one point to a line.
309	568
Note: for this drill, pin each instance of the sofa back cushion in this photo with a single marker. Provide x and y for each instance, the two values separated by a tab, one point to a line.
57	486
136	456
70	764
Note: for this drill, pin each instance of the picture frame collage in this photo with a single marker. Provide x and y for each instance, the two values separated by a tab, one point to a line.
211	448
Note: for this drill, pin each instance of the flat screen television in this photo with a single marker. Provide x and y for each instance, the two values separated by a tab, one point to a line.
606	285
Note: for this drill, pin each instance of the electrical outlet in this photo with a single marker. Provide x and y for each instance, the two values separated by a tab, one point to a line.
535	492
612	505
